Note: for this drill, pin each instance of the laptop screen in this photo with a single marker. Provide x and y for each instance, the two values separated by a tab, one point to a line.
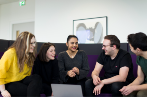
66	90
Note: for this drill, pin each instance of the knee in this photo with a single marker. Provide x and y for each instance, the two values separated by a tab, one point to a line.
88	83
36	77
116	87
142	93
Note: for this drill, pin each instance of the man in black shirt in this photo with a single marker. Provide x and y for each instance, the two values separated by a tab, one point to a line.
118	68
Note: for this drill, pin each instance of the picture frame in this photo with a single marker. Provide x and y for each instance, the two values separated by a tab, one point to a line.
90	30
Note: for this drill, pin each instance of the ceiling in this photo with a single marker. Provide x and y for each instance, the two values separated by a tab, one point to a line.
7	1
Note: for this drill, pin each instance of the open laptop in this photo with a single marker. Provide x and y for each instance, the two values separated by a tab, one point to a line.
66	90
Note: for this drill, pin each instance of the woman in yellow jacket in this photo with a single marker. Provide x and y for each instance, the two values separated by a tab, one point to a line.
16	66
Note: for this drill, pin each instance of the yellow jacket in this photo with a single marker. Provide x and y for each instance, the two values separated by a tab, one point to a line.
9	71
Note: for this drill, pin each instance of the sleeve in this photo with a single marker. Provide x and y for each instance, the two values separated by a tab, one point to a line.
36	69
126	61
5	63
85	67
138	60
55	70
62	72
100	59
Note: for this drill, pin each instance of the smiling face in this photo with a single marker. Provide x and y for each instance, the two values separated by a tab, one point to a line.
72	44
32	45
107	47
50	54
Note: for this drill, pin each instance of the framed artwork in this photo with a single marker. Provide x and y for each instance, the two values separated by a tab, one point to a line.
90	30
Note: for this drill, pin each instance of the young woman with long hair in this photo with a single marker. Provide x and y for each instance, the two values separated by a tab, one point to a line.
16	66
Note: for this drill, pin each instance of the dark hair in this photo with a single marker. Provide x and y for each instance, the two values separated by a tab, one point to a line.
138	40
43	50
71	36
114	40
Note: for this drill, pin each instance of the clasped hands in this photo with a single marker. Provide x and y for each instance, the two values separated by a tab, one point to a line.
98	85
73	72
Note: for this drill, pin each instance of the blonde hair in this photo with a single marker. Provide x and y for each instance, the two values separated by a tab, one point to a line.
22	46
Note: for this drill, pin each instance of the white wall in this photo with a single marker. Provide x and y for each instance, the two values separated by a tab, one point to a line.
54	18
0	19
21	27
12	13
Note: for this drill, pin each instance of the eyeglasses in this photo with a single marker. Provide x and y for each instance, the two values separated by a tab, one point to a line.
105	46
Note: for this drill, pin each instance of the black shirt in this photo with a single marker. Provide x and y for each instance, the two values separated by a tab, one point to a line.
66	63
112	67
48	71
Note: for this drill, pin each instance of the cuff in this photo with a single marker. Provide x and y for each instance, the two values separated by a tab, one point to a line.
2	81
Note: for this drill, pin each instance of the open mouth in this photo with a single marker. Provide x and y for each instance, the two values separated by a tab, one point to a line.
74	48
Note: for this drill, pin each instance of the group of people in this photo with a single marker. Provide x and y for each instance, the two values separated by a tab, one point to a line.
22	73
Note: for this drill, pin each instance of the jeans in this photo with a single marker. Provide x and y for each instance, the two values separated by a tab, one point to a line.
30	86
110	88
47	90
141	93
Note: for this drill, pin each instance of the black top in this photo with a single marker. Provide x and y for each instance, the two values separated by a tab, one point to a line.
111	67
66	63
49	71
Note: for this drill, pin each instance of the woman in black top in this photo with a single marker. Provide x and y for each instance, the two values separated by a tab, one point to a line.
46	65
73	64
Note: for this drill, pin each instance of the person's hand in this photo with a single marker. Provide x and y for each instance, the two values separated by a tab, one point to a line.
76	70
96	80
97	89
126	90
52	94
5	93
70	73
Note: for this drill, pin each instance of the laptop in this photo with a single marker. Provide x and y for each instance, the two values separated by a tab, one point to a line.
66	90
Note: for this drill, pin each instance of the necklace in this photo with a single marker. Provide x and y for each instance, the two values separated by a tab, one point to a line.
71	55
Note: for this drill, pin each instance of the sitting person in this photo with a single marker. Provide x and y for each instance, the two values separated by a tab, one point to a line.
73	64
118	68
16	66
46	65
138	45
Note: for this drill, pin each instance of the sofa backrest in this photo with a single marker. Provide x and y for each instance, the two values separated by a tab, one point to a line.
92	51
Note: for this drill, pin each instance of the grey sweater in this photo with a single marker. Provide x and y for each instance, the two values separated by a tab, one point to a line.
66	63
